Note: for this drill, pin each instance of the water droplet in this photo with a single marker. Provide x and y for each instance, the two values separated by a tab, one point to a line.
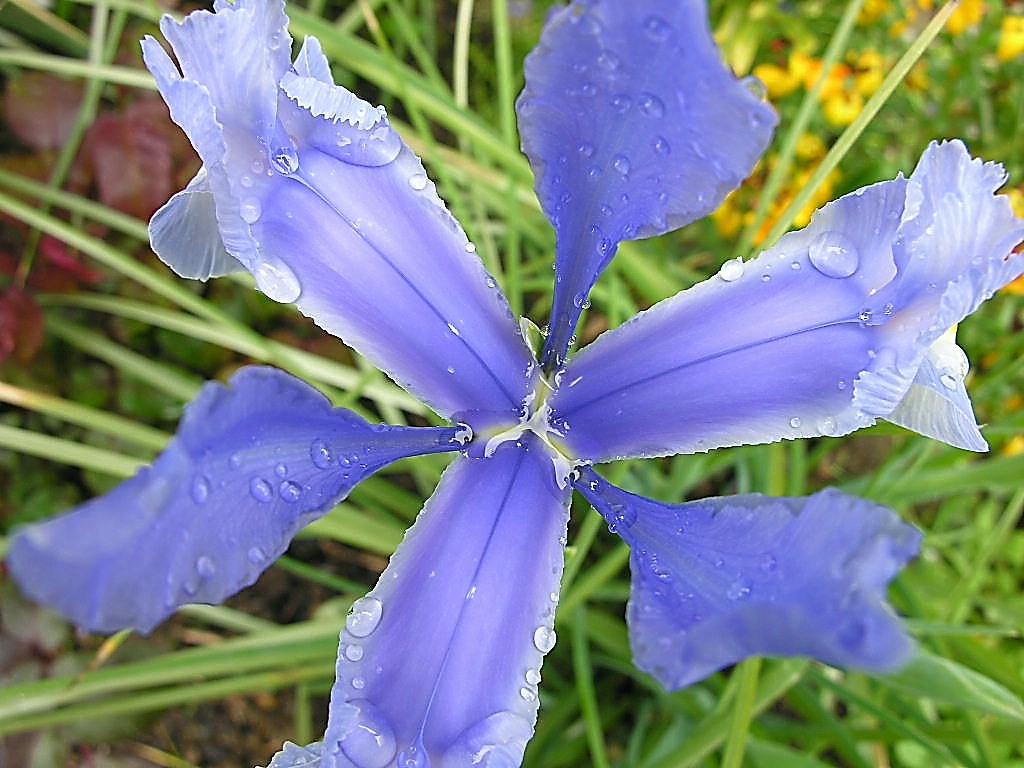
621	164
588	89
451	369
364	616
795	265
370	741
544	639
533	676
608	60
864	318
657	29
587	150
250	210
651	105
471	248
358	682
205	567
732	270
320	453
418	181
281	470
738	590
260	489
200	489
277	281
285	161
834	255
413	757
662	147
353	652
290	491
755	86
246	180
948	381
527	694
621	102
795	422
453	329
256	555
841	385
827	426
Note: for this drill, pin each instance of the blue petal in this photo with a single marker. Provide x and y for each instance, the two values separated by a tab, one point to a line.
440	663
820	335
317	195
294	756
634	126
252	463
718	580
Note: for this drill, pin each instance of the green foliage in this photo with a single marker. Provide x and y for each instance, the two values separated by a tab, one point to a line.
122	354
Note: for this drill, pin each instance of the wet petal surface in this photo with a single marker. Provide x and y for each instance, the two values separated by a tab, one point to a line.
316	195
820	335
634	126
721	579
252	463
442	659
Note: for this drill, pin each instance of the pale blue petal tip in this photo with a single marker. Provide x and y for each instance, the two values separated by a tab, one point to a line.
295	756
185	233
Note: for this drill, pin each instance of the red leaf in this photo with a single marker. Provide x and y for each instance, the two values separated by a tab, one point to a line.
21	325
41	108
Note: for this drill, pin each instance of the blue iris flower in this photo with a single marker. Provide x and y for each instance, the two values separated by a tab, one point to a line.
634	127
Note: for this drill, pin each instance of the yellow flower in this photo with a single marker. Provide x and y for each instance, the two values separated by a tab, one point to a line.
810	147
842	108
870	71
779	82
1011	38
872	10
1014	446
967	16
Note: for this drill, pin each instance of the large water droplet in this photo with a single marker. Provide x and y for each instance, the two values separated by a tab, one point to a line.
250	210
260	489
289	491
370	740
732	270
277	281
544	639
320	454
834	255
533	676
200	489
364	616
651	105
285	161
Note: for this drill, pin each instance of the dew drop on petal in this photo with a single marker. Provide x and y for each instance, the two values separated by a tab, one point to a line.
285	161
256	556
651	105
418	181
755	87
200	490
370	741
948	381
795	422
621	164
413	757
661	146
657	29
289	491
532	676
738	590
277	281
732	270
364	616
827	426
353	652
320	454
250	210
260	489
834	255
544	639
205	567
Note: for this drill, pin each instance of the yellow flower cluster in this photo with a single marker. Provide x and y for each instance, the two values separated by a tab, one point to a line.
967	15
736	211
1011	38
845	86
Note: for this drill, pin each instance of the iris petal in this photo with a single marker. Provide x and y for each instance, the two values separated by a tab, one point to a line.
317	196
634	126
820	335
721	579
441	661
252	463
